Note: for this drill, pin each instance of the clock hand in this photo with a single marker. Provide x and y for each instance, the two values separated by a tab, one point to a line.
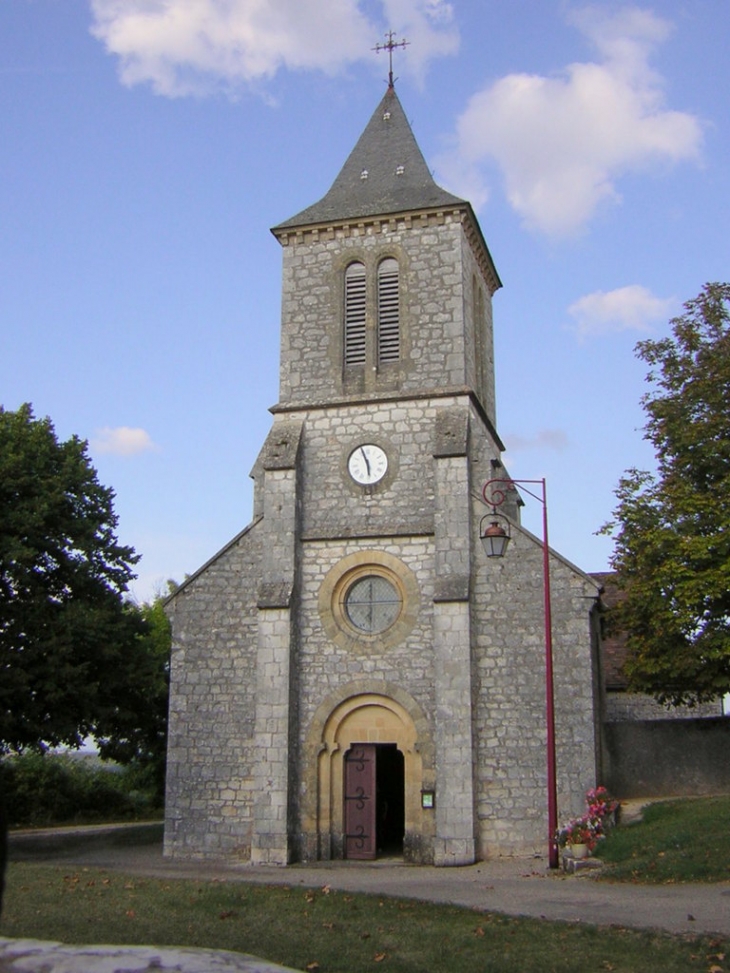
365	457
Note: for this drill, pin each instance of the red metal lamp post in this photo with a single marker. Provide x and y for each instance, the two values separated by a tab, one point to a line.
495	540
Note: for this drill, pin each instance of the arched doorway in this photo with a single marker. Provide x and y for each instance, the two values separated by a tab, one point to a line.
381	737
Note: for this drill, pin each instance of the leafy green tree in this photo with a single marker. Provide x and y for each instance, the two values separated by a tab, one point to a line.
672	527
134	729
68	644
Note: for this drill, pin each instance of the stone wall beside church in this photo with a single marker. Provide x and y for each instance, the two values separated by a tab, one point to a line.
211	748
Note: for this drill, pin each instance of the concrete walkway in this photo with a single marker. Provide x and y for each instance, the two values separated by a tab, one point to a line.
518	887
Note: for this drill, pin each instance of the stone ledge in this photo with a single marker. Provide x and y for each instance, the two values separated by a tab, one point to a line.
574	866
35	956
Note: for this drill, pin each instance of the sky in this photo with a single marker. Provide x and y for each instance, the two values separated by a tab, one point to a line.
147	146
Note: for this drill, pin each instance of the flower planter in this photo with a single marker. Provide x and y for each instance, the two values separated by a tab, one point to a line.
579	851
580	836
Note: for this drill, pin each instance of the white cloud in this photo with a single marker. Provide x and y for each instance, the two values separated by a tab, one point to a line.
562	142
554	439
184	47
122	441
632	308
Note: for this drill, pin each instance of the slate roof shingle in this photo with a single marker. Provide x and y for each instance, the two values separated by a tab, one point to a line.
385	173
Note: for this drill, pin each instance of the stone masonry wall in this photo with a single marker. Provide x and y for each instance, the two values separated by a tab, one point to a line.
406	525
511	720
403	501
398	519
479	333
509	658
211	756
326	666
667	758
636	706
432	307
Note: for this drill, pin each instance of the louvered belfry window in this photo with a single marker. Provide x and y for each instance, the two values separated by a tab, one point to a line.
388	311
355	314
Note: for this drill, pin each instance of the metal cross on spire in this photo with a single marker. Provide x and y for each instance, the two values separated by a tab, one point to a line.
389	46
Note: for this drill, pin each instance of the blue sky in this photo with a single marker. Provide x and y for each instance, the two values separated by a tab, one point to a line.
146	147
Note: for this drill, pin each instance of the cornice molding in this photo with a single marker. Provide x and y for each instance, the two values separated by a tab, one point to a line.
392	223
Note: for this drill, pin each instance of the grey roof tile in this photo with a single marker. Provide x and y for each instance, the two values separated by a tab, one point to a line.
384	173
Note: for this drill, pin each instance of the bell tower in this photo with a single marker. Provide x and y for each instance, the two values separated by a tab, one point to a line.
387	389
387	281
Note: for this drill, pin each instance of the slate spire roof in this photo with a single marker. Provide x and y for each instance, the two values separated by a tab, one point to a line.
385	173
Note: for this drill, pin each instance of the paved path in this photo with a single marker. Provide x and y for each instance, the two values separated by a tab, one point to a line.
520	887
512	886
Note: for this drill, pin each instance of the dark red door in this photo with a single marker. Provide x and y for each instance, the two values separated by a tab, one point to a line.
360	801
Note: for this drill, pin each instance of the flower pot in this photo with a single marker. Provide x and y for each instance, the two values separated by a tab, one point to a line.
579	851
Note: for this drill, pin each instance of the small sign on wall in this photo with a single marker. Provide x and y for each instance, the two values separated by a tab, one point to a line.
428	799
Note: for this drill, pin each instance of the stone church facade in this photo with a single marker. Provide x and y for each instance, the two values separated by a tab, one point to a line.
351	676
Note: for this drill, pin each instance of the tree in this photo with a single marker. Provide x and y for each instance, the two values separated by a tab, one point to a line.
672	527
68	644
134	728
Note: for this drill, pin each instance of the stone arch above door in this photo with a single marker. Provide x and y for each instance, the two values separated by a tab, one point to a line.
366	711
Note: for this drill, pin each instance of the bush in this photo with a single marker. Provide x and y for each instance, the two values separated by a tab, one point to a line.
42	790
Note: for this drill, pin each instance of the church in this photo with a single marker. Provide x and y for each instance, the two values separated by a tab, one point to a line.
352	676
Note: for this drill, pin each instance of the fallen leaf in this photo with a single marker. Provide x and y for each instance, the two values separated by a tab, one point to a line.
312	967
379	957
478	931
229	914
328	925
130	914
326	889
364	935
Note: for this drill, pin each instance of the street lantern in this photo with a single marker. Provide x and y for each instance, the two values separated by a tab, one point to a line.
494	538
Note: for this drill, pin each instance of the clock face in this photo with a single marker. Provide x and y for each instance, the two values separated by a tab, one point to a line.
367	464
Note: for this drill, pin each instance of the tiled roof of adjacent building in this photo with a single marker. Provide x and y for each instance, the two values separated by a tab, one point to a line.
614	650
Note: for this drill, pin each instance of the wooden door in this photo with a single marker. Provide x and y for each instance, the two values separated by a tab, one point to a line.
360	803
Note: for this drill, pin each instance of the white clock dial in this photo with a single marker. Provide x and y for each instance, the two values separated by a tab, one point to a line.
367	464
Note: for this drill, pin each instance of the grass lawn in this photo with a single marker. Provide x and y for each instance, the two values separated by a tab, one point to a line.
328	931
675	841
325	931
